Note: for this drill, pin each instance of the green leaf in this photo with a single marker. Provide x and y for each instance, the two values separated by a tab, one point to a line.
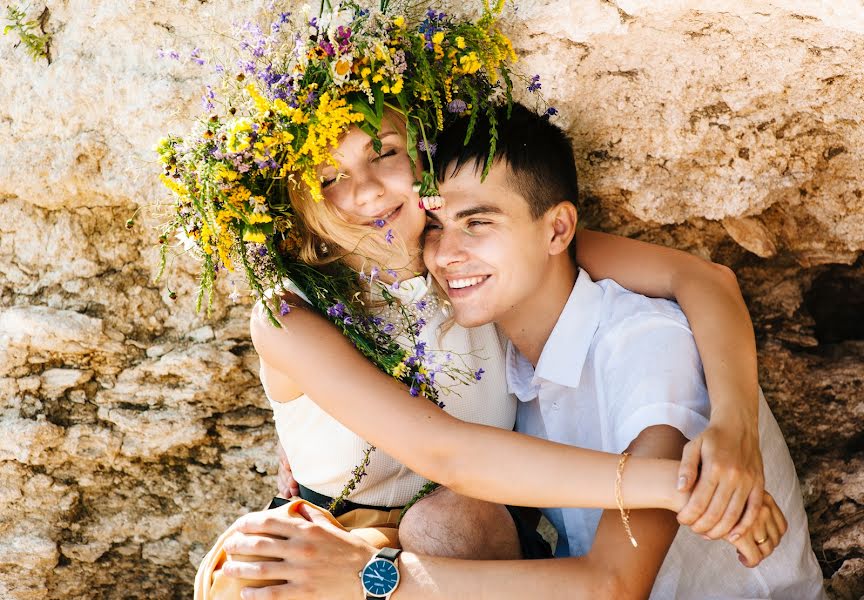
7	29
411	130
362	106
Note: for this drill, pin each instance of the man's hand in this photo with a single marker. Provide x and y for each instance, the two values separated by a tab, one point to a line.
314	558
731	478
758	542
285	482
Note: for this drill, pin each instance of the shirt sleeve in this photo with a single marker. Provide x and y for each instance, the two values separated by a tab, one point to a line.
653	376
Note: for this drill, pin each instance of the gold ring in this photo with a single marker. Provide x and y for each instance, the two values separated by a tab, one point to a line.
762	541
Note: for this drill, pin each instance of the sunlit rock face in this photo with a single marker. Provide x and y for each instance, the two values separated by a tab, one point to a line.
133	430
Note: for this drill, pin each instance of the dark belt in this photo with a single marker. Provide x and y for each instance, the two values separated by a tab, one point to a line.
347	506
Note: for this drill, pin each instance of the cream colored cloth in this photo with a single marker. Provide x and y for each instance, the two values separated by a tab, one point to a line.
379	528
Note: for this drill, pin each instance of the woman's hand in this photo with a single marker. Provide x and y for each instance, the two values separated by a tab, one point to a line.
315	559
285	482
759	541
731	478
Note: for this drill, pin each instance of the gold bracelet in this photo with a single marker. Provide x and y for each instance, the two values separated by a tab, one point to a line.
619	498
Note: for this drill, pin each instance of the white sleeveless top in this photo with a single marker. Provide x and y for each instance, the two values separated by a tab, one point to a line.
323	452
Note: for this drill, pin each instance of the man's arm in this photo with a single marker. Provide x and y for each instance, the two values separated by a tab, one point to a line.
709	295
323	561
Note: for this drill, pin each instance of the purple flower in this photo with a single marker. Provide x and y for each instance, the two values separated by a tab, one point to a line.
313	22
284	308
420	349
262	251
195	56
413	391
457	106
421	305
389	328
392	273
422	146
337	310
348	320
219	69
379	222
535	84
373	273
551	111
395	285
388	237
478	374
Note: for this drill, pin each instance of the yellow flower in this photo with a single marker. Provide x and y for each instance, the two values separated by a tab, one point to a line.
438	37
399	370
261	104
460	42
255	237
223	172
399	22
174	185
397	87
256	218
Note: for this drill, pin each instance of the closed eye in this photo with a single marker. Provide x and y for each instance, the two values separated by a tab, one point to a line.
387	154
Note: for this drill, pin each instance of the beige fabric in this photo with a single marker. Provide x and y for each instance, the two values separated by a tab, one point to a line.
377	527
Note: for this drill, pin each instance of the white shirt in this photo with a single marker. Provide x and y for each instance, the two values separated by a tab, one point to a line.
617	363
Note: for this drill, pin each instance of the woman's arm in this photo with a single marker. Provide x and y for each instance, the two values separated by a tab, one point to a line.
708	294
475	460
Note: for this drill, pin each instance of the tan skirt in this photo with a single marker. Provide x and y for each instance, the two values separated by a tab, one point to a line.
377	527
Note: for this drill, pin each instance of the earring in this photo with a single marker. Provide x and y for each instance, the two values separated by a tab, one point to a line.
323	248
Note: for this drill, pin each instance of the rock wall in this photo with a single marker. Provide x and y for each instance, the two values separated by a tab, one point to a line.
132	430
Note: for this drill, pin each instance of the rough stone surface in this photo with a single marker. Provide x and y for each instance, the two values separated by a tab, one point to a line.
133	430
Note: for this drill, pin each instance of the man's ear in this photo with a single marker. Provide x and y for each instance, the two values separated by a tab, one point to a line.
562	219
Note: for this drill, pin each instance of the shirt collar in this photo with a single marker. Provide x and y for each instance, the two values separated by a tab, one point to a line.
565	351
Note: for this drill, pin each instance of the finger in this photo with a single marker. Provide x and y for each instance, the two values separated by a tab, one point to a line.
773	539
254	545
313	515
286	591
256	571
778	518
698	502
270	522
730	517
688	471
748	554
716	509
752	510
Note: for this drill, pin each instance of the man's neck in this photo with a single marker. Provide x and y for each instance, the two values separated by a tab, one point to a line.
529	325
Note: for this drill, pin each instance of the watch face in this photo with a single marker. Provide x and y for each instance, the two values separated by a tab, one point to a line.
380	577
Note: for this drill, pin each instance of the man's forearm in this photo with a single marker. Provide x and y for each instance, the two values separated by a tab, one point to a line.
432	578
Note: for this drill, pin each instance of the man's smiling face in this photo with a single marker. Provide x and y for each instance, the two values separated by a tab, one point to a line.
484	248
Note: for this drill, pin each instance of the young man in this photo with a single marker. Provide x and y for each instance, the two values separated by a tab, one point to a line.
595	366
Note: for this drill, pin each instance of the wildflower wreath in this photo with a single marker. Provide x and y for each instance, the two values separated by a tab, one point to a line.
271	121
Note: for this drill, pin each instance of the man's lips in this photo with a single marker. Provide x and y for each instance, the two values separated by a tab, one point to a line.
462	283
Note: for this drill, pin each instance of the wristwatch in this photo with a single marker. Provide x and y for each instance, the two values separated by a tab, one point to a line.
380	576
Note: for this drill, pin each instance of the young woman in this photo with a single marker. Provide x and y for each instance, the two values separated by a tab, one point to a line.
370	198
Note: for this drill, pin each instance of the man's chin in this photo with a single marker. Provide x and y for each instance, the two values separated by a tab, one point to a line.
468	319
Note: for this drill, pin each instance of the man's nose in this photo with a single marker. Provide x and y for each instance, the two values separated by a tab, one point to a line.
449	248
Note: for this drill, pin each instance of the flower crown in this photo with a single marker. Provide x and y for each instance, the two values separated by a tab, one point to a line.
298	88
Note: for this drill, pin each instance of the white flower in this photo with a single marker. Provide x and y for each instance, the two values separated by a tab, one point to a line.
234	296
341	68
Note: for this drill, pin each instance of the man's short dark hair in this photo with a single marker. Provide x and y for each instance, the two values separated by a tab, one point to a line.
538	153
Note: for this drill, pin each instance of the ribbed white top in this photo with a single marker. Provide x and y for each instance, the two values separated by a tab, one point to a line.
323	452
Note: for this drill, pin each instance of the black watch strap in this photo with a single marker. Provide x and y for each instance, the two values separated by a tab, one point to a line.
390	554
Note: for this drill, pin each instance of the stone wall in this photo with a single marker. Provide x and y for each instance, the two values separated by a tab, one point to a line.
132	430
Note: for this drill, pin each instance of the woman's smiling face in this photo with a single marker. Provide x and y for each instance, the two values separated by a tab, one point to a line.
375	189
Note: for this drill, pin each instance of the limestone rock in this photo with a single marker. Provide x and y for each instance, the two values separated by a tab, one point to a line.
133	429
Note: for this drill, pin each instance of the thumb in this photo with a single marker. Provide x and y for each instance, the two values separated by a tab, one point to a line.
314	515
688	471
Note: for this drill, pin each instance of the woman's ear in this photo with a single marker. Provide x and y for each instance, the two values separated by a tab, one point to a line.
562	219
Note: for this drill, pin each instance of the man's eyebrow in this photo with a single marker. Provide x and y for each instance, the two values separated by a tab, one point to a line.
478	210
